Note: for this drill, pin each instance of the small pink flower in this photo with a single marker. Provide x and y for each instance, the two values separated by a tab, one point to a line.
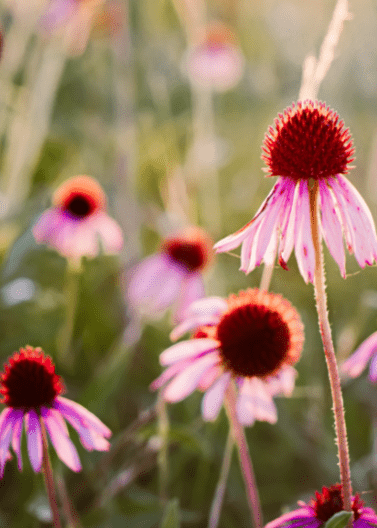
77	225
319	510
217	62
171	277
252	338
357	362
31	392
308	144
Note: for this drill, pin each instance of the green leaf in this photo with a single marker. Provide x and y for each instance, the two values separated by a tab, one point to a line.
338	520
171	517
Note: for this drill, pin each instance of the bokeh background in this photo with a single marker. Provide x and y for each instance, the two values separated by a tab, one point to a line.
123	110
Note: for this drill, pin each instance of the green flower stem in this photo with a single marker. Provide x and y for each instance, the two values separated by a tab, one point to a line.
163	434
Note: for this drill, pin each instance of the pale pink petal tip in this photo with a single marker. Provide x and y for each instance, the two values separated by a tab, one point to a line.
357	362
192	289
214	397
34	439
187	349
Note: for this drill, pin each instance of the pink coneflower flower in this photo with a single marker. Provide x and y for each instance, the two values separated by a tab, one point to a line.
321	508
173	276
252	338
309	145
77	225
357	362
31	392
216	62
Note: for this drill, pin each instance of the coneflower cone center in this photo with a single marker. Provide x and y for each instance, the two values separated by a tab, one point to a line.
308	142
190	255
79	206
330	501
29	380
254	340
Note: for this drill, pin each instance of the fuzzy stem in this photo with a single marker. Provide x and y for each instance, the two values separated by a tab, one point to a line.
214	516
266	277
324	325
48	478
244	456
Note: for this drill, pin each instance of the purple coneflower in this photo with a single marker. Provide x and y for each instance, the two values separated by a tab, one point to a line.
217	61
77	225
171	277
31	392
253	338
308	144
357	362
322	508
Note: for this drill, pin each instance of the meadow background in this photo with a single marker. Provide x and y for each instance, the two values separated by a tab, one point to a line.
125	113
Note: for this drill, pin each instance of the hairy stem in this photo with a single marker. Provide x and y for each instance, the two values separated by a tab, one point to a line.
324	325
244	456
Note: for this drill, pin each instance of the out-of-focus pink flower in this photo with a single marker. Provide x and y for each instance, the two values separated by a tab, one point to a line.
73	19
309	145
252	339
172	277
357	362
216	62
31	392
77	225
321	508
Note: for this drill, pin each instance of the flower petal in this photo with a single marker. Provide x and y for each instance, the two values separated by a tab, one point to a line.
188	349
169	373
305	514
213	398
191	324
283	382
7	423
17	435
58	433
287	237
192	289
304	248
34	439
187	380
357	362
373	369
357	220
255	403
77	412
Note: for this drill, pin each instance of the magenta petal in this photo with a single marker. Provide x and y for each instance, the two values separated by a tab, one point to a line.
209	377
357	220
331	227
287	236
188	349
255	403
304	248
169	373
304	514
214	397
58	433
187	381
357	362
77	412
7	422
109	232
17	435
192	289
34	439
283	382
57	13
373	369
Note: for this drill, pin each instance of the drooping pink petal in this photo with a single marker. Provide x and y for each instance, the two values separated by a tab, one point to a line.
287	236
283	382
373	369
109	232
5	437
169	373
187	381
210	306
155	284
71	409
305	514
210	377
304	248
214	397
58	433
331	226
255	403
232	241
192	289
57	13
17	435
357	220
191	324
34	439
188	349
357	362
